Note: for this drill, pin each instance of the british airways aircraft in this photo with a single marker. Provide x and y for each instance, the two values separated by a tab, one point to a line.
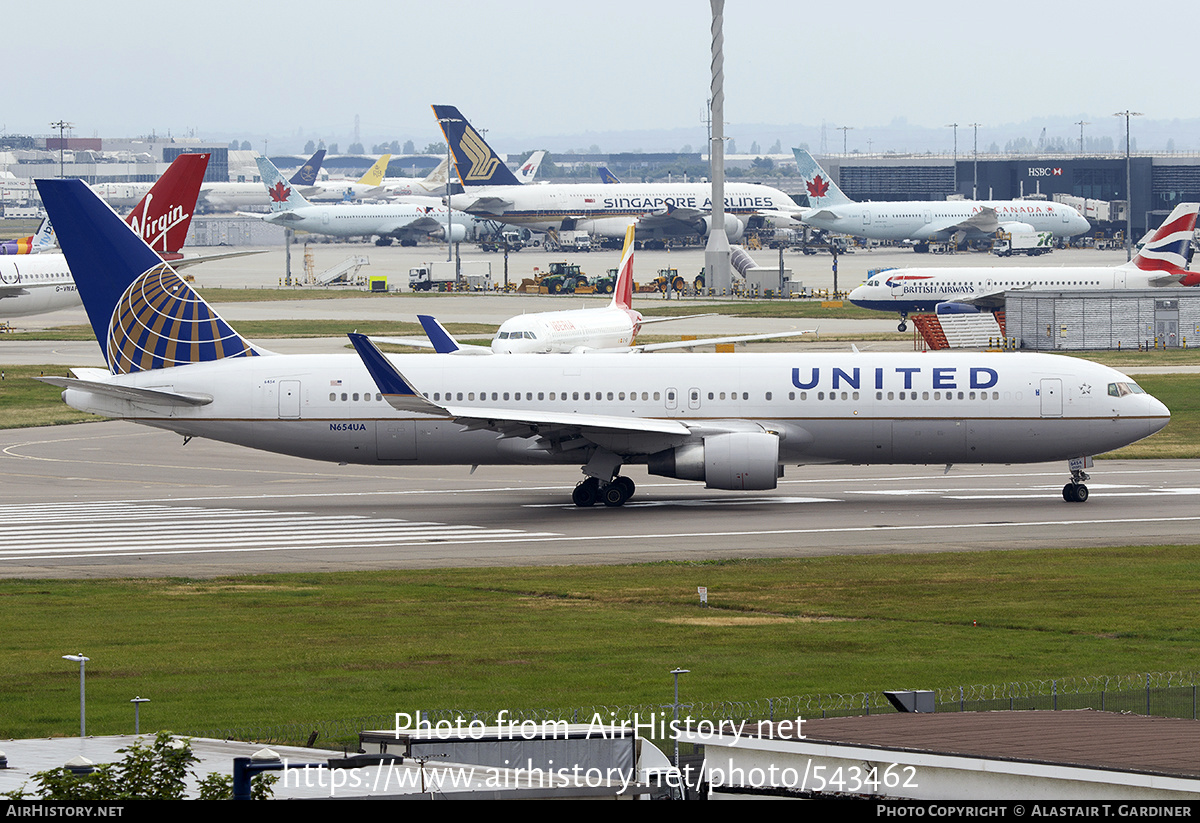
923	221
660	209
731	421
1161	262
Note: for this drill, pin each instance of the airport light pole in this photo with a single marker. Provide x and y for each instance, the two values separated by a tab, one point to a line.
717	277
675	705
1128	185
62	126
82	661
975	170
1081	124
843	130
955	127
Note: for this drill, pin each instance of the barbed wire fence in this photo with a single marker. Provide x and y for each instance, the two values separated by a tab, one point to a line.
1161	694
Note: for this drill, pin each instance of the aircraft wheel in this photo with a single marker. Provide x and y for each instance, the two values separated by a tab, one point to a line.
903	326
586	493
1069	492
613	495
626	485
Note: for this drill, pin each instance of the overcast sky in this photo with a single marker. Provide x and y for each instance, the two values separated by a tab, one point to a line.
544	70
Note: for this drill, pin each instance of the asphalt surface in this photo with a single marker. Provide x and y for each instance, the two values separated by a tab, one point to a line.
115	499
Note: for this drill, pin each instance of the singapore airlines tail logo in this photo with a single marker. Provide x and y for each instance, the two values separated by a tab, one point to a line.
483	164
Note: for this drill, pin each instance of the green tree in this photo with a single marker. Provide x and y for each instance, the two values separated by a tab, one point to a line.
154	771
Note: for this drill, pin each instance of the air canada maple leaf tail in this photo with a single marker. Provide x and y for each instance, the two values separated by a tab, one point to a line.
143	314
820	189
623	288
477	164
284	196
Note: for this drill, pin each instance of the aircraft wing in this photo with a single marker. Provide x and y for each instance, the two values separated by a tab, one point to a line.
184	262
744	338
985	221
12	291
488	205
155	397
555	429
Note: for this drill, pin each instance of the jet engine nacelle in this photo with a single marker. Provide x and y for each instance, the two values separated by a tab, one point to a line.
733	226
737	460
458	232
1017	227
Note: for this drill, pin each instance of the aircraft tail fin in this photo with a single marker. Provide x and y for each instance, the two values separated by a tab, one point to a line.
284	196
529	168
306	175
143	314
377	172
820	189
1169	249
443	342
477	164
40	240
162	218
607	176
623	288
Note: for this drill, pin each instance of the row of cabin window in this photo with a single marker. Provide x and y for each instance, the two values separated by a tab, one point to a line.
366	396
587	395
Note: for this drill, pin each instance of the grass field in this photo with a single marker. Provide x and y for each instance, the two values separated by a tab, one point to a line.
267	650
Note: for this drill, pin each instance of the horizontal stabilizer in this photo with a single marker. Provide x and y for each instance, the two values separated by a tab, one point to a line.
158	397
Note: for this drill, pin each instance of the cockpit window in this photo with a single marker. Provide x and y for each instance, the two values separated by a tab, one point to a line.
1123	389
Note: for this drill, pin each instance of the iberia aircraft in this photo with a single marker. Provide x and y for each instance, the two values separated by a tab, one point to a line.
923	221
1161	262
39	283
731	421
612	328
660	209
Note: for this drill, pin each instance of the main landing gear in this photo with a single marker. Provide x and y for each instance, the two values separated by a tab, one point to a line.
1075	491
591	491
903	322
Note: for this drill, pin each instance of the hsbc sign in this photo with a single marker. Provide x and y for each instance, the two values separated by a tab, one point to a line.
1045	172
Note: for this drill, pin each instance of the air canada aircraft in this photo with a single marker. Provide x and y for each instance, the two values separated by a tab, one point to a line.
33	284
403	221
731	421
611	328
1161	262
923	221
661	210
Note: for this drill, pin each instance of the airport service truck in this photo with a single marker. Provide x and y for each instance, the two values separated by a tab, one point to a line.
1031	243
476	274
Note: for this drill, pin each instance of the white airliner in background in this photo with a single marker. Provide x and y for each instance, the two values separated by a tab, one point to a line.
1161	262
660	209
402	221
339	191
38	283
611	328
923	221
731	421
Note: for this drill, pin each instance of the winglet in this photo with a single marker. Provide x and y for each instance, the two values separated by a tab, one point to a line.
623	288
391	383
443	342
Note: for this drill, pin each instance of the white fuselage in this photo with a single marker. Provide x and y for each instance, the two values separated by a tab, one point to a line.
924	221
364	219
828	407
34	284
564	331
921	290
607	210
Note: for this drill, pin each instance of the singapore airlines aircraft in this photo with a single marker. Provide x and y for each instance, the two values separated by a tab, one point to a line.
660	209
388	221
731	421
612	328
33	284
923	221
1161	262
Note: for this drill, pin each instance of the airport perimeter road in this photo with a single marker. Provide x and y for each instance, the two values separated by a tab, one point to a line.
114	499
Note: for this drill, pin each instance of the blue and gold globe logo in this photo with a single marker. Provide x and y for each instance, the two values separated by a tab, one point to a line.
160	321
